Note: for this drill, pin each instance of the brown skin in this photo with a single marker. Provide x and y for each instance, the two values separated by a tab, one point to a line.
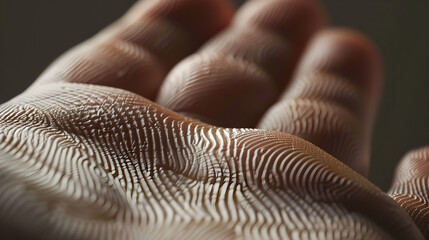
86	154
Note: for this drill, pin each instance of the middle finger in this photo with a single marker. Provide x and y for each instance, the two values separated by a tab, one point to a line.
235	77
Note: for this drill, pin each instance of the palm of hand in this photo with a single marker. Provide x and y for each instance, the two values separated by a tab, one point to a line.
82	159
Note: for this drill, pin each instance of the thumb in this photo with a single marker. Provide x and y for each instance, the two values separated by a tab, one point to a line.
410	187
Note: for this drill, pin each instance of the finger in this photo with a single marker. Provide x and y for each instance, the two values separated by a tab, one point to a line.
235	77
137	51
410	187
90	162
333	98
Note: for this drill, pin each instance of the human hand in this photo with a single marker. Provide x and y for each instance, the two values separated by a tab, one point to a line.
82	159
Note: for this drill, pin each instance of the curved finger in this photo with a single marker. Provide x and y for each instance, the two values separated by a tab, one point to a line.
236	76
333	98
411	187
138	50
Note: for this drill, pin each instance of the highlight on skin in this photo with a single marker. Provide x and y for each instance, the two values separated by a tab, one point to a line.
86	154
90	162
410	187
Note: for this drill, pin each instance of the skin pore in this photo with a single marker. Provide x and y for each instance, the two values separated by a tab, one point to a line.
186	119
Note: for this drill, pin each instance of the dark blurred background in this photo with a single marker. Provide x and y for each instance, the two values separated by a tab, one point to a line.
34	33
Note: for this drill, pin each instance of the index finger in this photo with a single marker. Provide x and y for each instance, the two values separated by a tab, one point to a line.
137	51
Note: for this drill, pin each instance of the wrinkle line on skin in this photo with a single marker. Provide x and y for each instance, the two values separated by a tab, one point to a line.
272	208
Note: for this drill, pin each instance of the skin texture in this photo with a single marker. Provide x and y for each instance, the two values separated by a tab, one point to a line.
260	129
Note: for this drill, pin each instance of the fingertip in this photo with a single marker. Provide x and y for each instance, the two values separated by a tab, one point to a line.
413	165
266	39
346	53
211	17
136	52
333	98
409	188
303	17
